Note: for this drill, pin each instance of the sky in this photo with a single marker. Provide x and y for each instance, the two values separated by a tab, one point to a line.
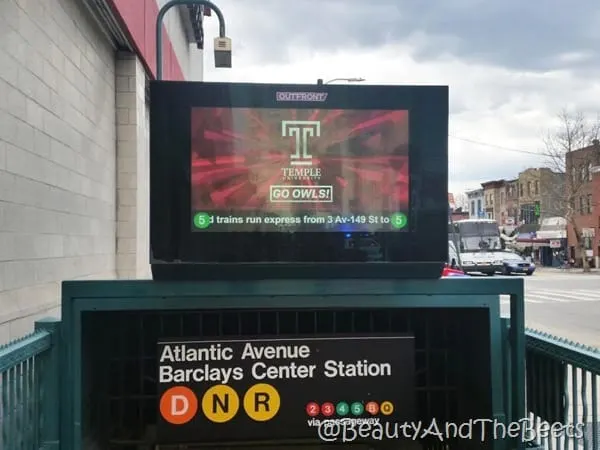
511	66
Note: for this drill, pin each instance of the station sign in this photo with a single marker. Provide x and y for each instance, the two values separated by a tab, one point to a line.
257	389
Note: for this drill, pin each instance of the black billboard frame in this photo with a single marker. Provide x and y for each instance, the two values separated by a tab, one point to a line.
177	253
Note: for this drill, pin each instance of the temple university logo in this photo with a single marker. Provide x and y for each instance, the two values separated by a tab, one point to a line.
301	130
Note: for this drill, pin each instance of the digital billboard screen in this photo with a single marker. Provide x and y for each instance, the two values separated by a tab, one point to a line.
293	170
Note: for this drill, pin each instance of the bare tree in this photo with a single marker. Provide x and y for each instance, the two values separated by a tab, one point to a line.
572	149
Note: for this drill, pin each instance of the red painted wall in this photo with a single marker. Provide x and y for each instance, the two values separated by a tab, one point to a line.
139	21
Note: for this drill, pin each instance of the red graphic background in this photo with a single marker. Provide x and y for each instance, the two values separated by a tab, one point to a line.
238	153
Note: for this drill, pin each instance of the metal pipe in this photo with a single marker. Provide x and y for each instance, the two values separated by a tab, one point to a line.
159	22
350	80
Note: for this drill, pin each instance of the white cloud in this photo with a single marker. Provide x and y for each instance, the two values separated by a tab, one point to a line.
490	104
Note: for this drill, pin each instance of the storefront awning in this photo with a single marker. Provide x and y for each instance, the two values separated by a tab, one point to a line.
538	242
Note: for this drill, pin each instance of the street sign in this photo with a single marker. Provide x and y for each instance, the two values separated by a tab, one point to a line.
555	243
255	389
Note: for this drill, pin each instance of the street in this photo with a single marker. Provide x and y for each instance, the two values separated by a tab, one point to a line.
563	304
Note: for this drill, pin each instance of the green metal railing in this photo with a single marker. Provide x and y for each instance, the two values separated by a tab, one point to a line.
562	388
29	396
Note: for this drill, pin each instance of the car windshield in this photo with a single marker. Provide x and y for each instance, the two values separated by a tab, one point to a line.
480	243
478	236
472	229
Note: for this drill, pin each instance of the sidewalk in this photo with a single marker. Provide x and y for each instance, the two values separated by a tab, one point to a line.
545	269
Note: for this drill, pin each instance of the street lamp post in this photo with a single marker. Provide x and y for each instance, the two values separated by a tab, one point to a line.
349	80
222	43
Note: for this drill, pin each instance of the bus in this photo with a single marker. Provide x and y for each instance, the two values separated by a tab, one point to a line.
479	244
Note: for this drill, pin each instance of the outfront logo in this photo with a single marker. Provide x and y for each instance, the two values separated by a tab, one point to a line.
301	96
302	131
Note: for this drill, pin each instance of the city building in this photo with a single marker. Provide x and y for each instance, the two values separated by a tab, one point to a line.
459	214
580	168
511	203
547	245
552	237
540	194
74	142
501	199
494	194
451	201
456	212
476	200
596	206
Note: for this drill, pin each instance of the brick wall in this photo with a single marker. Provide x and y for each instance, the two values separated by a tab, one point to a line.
133	169
57	157
596	193
578	168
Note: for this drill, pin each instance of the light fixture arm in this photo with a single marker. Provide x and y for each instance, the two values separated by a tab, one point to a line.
159	23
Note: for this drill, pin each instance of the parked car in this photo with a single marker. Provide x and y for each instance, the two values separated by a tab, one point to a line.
451	272
514	263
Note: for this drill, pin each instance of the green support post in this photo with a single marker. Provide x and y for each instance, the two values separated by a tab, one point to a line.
47	381
159	22
517	332
506	369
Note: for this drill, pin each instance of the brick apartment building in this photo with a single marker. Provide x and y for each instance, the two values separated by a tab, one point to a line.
529	204
502	201
596	214
582	166
539	195
491	193
536	194
511	203
533	205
